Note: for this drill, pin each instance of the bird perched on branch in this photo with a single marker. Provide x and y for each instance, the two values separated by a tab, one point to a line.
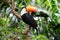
26	15
27	18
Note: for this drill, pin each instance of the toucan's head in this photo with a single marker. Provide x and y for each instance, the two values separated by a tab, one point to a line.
28	9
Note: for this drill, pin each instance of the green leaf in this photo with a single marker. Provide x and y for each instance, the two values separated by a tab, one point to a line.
58	31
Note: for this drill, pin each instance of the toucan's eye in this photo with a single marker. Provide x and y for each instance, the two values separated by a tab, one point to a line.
30	8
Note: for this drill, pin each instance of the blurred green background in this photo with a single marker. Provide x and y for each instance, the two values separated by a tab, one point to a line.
11	26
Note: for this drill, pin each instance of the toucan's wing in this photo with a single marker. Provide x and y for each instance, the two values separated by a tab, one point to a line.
43	13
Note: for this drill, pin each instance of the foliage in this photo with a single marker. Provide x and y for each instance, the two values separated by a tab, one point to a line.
10	26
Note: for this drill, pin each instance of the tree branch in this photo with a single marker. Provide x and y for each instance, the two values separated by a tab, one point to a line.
25	32
13	5
18	16
13	9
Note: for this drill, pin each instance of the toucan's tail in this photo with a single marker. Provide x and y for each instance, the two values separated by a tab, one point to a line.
37	31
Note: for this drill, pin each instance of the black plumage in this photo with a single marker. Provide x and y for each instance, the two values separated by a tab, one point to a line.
29	20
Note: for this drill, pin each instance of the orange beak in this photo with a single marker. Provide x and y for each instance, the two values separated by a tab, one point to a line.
31	9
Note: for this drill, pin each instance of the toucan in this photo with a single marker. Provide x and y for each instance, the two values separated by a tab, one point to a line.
26	15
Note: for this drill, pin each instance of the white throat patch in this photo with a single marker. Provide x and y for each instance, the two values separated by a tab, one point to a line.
23	11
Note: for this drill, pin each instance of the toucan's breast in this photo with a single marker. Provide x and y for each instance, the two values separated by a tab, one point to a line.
29	20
